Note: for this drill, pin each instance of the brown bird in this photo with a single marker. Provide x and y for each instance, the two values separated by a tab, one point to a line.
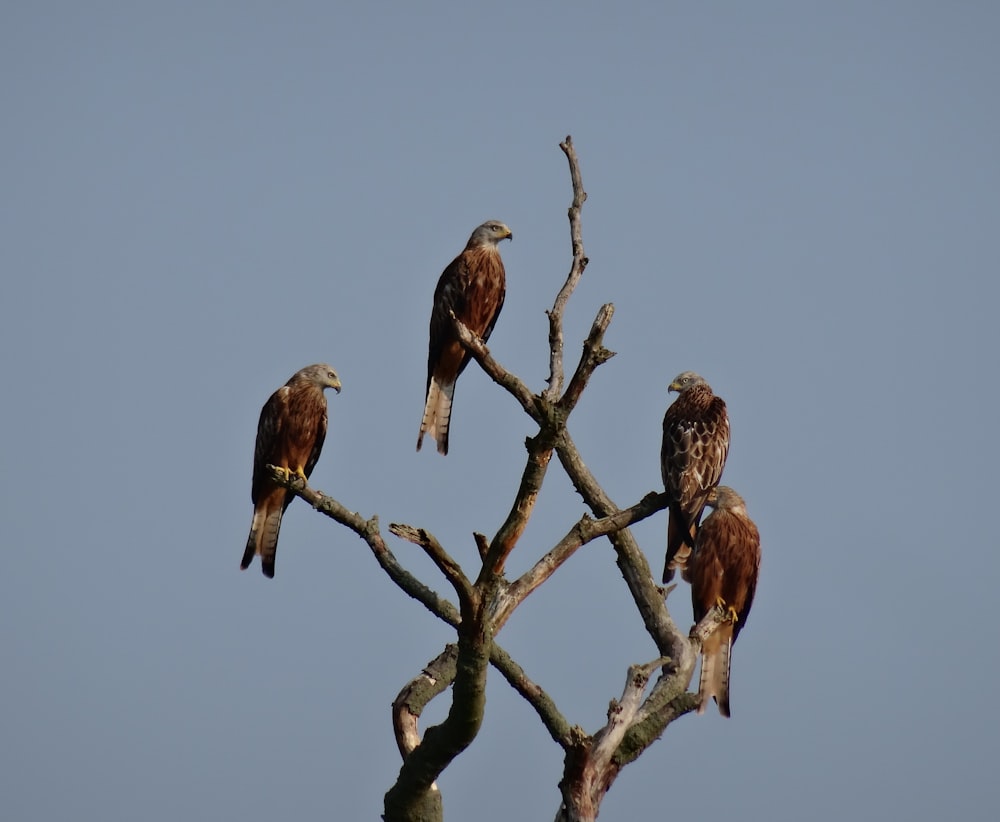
693	454
723	572
473	286
290	436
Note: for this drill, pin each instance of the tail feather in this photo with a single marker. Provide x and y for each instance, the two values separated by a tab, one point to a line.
437	414
678	548
269	541
715	664
251	548
263	540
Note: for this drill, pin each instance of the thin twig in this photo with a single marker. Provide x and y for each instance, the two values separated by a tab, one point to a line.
555	379
594	354
440	557
482	544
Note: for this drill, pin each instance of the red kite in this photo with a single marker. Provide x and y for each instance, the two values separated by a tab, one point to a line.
290	436
473	286
723	572
695	445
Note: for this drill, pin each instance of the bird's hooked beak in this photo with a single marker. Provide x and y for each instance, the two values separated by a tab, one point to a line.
335	386
674	386
509	235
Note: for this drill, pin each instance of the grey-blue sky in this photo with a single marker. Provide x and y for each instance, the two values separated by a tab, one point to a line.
798	201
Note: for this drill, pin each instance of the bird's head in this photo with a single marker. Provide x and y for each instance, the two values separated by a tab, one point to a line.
322	375
490	233
685	380
724	497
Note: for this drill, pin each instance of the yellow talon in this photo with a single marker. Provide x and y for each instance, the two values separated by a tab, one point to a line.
729	612
285	470
301	473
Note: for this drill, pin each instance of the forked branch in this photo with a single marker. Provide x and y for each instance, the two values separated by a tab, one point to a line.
555	379
584	531
442	559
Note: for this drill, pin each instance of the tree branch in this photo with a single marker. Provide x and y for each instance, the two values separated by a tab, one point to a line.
405	710
704	629
369	531
539	456
669	698
410	702
407	798
649	726
594	354
584	531
496	372
555	723
482	544
587	778
555	379
631	561
441	558
622	713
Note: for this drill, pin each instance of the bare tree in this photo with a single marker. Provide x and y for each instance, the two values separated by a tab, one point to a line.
486	602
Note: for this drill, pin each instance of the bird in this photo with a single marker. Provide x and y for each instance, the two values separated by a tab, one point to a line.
290	436
473	286
723	571
693	454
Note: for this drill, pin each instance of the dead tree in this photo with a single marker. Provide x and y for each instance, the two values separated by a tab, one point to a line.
486	601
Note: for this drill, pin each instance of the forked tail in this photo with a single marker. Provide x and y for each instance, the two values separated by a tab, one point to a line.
715	664
437	414
263	540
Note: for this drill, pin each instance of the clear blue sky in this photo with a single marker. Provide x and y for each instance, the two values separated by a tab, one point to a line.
799	201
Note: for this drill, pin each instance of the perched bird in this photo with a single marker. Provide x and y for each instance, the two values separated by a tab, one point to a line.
473	287
290	436
723	572
695	445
